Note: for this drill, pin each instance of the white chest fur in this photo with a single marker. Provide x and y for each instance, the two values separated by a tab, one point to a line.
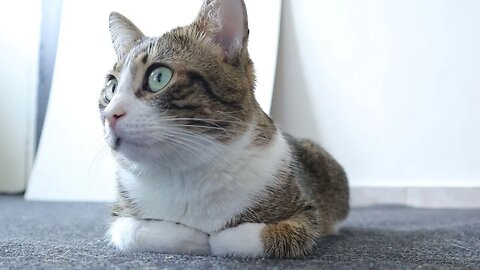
208	198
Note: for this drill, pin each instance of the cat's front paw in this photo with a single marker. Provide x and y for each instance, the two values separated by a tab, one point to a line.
130	234
245	240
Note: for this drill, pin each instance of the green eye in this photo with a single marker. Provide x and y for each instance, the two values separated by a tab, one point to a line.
159	78
110	89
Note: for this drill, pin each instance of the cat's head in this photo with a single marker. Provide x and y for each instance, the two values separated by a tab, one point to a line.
182	94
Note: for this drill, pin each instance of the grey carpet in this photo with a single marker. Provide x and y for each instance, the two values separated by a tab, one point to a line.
70	235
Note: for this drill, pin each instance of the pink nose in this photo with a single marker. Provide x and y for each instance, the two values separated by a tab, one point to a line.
113	118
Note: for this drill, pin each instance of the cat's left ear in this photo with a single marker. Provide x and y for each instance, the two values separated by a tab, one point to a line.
227	24
124	33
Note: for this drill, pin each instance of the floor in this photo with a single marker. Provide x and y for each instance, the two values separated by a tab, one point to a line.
39	235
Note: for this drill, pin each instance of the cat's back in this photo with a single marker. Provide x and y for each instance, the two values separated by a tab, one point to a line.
322	178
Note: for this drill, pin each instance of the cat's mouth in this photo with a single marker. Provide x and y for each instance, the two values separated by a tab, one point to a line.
116	143
112	139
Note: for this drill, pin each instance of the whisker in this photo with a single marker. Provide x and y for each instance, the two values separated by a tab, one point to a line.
202	137
184	145
207	150
200	126
206	120
221	152
227	114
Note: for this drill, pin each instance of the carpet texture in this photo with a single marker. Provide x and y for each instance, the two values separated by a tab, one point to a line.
36	235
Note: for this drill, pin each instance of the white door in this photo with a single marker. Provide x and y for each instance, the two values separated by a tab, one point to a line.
19	47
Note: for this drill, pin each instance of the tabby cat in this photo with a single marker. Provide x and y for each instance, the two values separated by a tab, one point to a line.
201	168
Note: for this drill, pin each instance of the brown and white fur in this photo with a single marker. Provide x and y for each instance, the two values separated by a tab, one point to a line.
201	168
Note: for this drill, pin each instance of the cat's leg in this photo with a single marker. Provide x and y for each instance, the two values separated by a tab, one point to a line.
130	234
290	238
245	240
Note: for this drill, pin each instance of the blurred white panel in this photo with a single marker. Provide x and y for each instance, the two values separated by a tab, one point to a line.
391	88
19	47
73	163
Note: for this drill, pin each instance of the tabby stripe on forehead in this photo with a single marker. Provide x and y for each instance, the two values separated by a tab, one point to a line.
178	106
145	58
194	76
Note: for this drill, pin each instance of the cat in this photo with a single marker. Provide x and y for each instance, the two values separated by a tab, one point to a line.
201	168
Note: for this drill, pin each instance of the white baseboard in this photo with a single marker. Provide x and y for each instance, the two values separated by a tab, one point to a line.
428	197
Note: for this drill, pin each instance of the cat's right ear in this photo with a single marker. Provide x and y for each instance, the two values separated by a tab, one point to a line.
124	33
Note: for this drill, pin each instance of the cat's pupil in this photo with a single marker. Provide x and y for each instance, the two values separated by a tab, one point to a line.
113	88
159	77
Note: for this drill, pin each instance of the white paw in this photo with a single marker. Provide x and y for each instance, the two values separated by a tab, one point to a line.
243	241
130	234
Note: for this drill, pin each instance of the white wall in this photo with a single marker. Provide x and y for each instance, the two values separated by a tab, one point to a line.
19	45
391	88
